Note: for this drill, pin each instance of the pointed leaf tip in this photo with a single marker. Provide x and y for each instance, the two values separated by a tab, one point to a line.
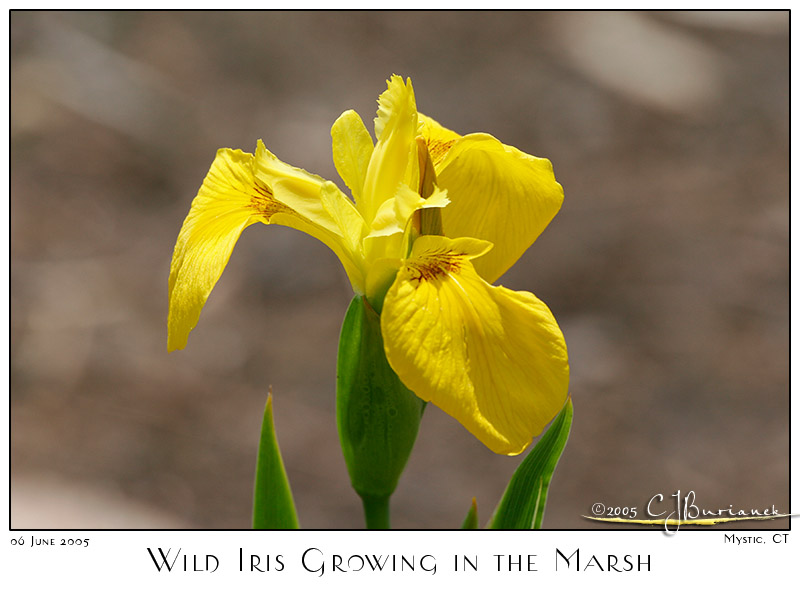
273	505
471	520
523	503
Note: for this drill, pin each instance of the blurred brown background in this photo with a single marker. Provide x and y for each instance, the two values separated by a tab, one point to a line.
667	267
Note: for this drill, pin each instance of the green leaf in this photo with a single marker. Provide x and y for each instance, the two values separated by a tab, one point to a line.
523	502
471	521
273	505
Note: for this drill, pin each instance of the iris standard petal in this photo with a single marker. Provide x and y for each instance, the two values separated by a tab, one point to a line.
492	358
352	148
498	193
395	130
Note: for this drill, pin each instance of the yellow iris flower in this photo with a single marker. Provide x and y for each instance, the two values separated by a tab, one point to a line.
493	358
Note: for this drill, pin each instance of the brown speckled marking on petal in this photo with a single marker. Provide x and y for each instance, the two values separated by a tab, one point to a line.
264	204
435	265
439	149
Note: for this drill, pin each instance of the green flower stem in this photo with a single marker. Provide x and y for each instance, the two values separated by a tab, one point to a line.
376	511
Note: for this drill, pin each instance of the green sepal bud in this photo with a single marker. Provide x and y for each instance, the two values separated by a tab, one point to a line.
378	417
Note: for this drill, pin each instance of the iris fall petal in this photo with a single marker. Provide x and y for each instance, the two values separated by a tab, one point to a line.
492	358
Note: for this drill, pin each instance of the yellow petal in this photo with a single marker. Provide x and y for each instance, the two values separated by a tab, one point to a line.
395	129
393	214
498	193
241	189
229	200
347	221
317	207
294	187
352	148
346	241
386	222
408	201
492	358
